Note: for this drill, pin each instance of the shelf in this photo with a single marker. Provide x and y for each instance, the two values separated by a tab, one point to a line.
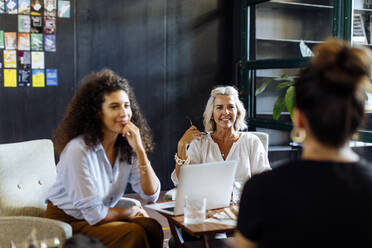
270	113
288	40
363	10
280	148
270	124
297	4
276	63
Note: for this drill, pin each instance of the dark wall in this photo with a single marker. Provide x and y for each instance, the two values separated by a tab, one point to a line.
172	52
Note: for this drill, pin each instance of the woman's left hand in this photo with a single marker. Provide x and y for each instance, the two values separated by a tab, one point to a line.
132	134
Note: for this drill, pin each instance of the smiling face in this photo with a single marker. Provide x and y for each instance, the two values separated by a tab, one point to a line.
116	112
224	111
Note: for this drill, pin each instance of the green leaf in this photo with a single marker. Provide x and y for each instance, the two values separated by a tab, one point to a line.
278	107
283	85
283	77
263	86
289	100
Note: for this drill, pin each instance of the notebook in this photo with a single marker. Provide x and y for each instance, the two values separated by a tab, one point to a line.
212	180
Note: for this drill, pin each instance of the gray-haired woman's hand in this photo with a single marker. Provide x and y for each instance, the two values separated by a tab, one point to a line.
190	134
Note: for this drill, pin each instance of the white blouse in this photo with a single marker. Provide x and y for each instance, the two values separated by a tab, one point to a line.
247	150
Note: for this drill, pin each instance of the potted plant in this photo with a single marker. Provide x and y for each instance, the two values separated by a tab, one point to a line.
285	84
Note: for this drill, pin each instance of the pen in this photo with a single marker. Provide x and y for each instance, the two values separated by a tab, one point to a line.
189	119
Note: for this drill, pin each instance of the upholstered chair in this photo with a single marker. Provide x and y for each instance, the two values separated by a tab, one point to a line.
27	171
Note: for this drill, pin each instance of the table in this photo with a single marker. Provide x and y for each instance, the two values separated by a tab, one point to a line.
207	228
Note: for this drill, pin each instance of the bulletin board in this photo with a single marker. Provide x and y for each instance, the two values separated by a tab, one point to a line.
37	66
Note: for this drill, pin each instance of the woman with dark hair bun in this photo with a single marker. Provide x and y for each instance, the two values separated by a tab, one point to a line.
324	199
102	142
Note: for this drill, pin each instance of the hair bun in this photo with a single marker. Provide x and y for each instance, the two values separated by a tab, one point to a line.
343	68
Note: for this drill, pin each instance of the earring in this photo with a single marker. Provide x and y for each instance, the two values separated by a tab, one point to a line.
298	135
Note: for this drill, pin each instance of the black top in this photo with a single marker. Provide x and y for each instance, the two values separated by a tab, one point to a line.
309	204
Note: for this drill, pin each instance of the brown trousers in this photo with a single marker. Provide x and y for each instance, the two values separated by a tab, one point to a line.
136	233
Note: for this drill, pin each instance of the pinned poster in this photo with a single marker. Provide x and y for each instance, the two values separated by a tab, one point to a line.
37	60
2	7
64	9
24	23
24	60
49	25
38	78
50	43
24	69
10	78
37	7
10	59
11	6
50	7
37	42
10	40
51	77
2	44
23	41
24	77
24	7
36	24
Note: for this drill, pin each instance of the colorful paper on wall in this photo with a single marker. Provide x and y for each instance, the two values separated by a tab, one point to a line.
23	41
38	78
49	25
2	7
1	66
24	60
37	42
10	59
10	78
24	23
1	77
36	24
37	7
24	69
50	43
50	7
11	6
2	44
37	60
10	40
64	9
51	77
24	77
24	7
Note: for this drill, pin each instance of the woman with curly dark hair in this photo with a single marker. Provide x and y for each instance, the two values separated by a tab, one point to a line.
102	142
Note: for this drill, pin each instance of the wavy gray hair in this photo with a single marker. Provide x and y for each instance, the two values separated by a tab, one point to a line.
209	123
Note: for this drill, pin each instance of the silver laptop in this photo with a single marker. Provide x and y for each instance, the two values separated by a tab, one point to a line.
211	180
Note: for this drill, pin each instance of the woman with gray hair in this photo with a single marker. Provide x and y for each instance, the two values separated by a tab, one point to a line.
224	120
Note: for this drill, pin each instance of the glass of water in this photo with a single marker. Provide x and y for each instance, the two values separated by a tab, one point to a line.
194	209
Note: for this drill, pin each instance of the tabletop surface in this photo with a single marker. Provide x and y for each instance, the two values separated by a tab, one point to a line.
204	228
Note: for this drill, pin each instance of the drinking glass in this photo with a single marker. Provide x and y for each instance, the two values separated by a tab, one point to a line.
194	209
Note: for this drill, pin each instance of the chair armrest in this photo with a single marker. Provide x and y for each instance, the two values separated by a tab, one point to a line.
126	202
170	195
18	228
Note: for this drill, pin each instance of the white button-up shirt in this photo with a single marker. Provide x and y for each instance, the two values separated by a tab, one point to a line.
247	150
87	185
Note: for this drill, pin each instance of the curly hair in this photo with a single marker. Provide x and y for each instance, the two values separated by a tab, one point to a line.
83	114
